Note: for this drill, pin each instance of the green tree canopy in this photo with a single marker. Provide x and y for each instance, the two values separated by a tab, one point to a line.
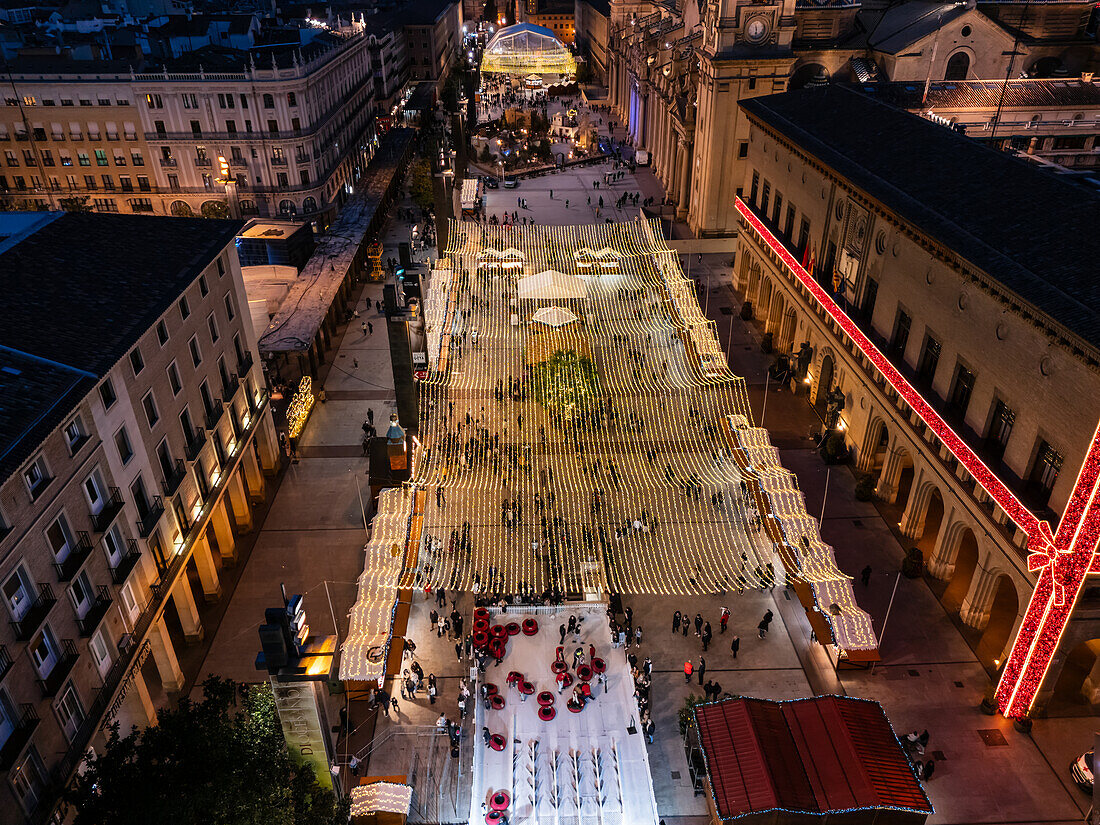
420	184
220	761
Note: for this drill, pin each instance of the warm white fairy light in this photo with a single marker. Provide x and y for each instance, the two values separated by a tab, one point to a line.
380	797
298	410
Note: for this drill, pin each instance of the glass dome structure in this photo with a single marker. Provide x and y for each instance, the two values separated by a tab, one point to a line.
526	49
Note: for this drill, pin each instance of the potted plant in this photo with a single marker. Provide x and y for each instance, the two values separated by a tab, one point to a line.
833	449
766	342
913	566
865	487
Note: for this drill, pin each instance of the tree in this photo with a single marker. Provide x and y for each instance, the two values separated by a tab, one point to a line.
420	185
220	760
77	203
486	156
490	12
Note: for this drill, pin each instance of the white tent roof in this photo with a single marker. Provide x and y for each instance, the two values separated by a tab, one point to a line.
551	285
554	316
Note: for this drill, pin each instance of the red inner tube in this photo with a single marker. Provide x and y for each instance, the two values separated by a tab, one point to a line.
499	801
497	701
481	625
599	665
546	713
496	648
499	631
526	688
496	742
584	672
491	689
494	817
574	708
512	628
530	627
546	698
481	613
568	680
559	666
481	639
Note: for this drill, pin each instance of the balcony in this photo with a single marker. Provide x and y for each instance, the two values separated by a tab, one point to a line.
302	158
35	615
5	661
51	683
95	613
204	163
146	523
111	508
244	364
238	162
19	737
214	415
194	444
72	563
169	163
172	482
230	384
121	571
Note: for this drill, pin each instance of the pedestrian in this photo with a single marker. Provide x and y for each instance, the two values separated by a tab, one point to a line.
638	636
866	575
458	650
708	634
922	740
394	705
441	597
698	624
702	668
485	736
676	621
763	628
561	633
551	194
432	690
567	203
687	671
364	328
685	625
707	688
735	645
370	416
929	769
724	618
716	690
370	328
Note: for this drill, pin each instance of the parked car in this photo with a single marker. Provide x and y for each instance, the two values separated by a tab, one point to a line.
511	183
1081	771
491	183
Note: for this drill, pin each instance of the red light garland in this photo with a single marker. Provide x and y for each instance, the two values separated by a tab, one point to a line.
1062	560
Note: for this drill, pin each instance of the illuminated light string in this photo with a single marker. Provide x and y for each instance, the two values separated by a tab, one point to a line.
657	359
380	797
1061	560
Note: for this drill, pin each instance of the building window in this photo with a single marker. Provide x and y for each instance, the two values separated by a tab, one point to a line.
291	99
204	290
101	651
44	652
83	159
196	353
162	333
958	66
899	339
101	157
174	379
961	389
70	712
764	200
37	476
929	360
755	189
213	326
107	394
80	593
1044	472
28	778
190	100
122	443
1000	429
185	308
149	404
60	537
269	102
154	101
743	149
75	435
136	361
18	593
136	158
229	311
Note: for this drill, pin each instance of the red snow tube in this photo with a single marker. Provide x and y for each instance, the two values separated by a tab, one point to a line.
496	742
546	698
574	707
584	672
526	688
481	613
496	701
512	628
559	666
547	712
481	625
496	649
481	639
491	689
530	627
493	817
599	665
499	801
499	631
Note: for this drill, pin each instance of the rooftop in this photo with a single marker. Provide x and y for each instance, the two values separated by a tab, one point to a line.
965	195
812	756
987	94
81	289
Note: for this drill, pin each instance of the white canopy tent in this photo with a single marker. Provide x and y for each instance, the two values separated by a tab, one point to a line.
551	285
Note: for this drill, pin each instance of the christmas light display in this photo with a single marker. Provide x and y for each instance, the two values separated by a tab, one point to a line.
543	473
524	50
1060	559
298	410
380	797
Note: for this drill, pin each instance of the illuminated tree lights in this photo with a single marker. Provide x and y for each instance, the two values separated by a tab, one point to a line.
298	410
380	797
1061	560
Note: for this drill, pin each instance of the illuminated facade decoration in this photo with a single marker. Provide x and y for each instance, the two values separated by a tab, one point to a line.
1061	559
300	405
380	797
525	49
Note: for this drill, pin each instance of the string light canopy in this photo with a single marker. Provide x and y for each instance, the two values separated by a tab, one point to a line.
613	453
526	49
381	797
1061	559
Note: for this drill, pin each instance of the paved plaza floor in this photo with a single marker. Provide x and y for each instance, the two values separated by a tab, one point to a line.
313	534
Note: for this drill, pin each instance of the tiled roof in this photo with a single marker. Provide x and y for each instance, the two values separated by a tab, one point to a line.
986	94
813	756
1030	230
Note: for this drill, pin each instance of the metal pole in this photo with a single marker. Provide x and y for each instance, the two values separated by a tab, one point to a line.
886	618
764	406
1094	813
362	507
824	498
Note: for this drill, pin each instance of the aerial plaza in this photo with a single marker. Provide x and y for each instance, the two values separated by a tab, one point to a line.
526	49
581	435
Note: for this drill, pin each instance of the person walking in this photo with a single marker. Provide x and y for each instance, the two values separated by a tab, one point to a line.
735	645
929	769
763	628
638	636
364	325
676	622
432	690
687	671
707	688
561	633
724	618
701	669
865	575
698	624
708	634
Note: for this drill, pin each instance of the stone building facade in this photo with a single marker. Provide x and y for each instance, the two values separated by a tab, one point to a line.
135	454
987	309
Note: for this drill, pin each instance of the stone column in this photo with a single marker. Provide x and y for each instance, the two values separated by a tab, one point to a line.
253	476
164	654
208	571
674	169
188	612
238	499
268	442
685	177
975	607
912	520
223	534
1090	689
941	565
138	705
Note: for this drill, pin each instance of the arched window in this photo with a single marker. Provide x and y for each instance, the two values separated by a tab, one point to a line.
287	207
248	207
958	66
309	205
269	102
181	209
